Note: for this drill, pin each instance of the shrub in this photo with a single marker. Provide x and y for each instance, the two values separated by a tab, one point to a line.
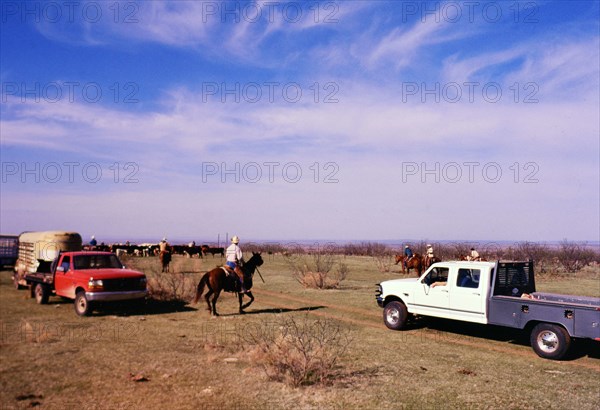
575	256
299	352
316	270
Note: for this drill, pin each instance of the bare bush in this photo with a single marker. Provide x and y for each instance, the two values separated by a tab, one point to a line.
575	256
171	287
299	352
316	270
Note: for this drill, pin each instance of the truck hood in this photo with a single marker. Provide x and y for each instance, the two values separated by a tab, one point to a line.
397	286
400	282
112	273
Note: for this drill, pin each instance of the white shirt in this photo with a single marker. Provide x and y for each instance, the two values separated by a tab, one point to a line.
233	253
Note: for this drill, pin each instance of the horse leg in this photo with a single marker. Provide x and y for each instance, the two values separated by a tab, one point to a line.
247	304
206	297
214	302
240	299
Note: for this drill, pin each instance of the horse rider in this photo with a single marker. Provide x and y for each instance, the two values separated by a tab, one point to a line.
408	253
474	255
163	246
235	259
429	255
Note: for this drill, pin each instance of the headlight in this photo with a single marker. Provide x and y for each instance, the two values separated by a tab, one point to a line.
95	284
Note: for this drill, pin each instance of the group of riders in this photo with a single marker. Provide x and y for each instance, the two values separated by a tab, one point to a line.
430	256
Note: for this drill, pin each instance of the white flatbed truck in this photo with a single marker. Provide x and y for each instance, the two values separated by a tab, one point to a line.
495	293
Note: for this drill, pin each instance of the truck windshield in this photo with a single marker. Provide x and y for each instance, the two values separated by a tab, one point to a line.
96	262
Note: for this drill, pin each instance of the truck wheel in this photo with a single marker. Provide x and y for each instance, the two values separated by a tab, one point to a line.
550	341
42	293
395	315
83	307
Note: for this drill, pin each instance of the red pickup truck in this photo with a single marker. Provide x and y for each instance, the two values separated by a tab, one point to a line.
88	278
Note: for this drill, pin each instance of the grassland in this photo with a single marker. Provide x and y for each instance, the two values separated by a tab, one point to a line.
176	356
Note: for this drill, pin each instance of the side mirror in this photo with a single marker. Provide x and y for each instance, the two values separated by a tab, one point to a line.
60	269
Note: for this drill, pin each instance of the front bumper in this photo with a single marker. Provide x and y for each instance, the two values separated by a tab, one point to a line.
378	297
115	296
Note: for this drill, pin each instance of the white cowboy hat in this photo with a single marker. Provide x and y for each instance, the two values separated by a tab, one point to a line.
235	239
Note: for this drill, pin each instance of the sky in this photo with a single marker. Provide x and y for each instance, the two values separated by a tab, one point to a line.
345	120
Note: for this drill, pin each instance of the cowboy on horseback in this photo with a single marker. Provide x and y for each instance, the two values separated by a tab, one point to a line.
165	254
235	259
408	253
429	255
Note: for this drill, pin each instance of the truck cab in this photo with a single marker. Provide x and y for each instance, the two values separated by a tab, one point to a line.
452	290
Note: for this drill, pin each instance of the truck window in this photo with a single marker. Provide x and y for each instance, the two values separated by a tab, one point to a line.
66	262
438	274
468	278
96	262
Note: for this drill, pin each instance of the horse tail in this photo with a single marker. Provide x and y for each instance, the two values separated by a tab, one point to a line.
200	288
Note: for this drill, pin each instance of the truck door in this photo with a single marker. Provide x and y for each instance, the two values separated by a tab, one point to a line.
64	283
467	296
432	296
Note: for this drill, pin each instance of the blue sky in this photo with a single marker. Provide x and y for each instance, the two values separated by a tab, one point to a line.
302	120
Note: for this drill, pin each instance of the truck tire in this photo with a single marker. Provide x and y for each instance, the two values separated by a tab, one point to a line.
395	315
83	307
42	294
550	341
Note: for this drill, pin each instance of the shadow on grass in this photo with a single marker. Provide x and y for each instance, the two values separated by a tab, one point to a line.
146	307
275	311
456	329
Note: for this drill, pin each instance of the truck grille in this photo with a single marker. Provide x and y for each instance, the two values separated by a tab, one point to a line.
124	284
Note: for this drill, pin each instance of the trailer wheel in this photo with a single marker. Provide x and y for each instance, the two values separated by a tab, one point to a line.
42	294
83	307
395	315
550	341
16	283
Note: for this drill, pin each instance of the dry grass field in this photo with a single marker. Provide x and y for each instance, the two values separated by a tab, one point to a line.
163	355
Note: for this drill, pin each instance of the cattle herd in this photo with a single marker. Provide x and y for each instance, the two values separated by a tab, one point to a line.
144	249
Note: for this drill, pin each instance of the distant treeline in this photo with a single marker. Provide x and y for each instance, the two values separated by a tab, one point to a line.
567	255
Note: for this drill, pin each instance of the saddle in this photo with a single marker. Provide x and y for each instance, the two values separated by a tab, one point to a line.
232	282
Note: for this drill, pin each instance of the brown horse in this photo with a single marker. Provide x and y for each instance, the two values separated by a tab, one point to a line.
427	262
165	260
217	280
416	262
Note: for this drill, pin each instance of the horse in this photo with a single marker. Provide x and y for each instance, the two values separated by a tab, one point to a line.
165	260
217	280
415	262
427	262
